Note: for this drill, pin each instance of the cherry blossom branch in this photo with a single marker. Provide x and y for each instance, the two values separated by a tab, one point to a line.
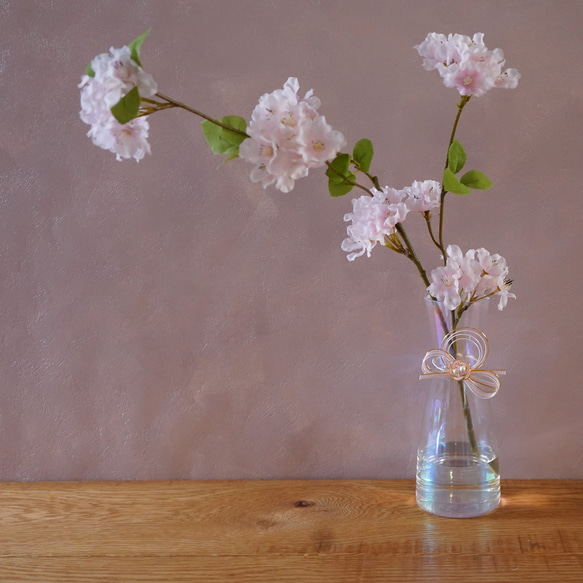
410	253
469	421
150	106
456	317
174	103
427	217
460	107
374	180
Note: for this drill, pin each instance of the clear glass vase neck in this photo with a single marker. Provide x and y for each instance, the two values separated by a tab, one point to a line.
444	320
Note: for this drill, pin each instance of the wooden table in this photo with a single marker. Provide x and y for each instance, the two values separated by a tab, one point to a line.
342	531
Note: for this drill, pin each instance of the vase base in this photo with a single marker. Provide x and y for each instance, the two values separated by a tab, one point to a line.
457	483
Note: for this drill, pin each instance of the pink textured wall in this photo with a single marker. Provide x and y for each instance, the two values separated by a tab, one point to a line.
170	320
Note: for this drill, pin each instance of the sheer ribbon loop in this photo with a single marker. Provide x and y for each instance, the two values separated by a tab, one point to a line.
460	356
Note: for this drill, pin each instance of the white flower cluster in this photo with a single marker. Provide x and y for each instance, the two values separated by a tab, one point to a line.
116	74
466	64
470	277
288	137
375	217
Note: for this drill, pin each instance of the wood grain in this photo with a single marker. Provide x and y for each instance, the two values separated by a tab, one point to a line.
305	531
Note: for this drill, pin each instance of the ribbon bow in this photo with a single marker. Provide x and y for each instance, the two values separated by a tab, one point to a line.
463	367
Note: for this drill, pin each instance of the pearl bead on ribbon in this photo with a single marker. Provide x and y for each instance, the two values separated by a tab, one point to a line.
463	367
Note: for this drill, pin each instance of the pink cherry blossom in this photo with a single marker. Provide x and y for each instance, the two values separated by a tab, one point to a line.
128	140
445	285
288	137
115	75
467	266
119	74
436	51
422	196
466	64
373	218
470	277
508	79
470	77
318	142
504	294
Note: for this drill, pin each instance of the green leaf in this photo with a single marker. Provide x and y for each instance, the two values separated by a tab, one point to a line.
127	107
237	123
231	156
456	157
452	184
221	140
340	188
475	179
363	153
337	172
136	45
339	168
89	71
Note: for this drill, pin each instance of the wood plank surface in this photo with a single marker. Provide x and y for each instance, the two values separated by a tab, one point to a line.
269	531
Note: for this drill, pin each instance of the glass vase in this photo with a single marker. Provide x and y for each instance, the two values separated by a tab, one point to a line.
457	464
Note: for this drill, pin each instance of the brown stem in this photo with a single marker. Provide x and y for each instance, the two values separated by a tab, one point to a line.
460	107
200	114
456	317
374	180
410	253
468	417
427	217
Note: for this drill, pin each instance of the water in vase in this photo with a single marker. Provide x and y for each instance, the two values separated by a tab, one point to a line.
456	481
